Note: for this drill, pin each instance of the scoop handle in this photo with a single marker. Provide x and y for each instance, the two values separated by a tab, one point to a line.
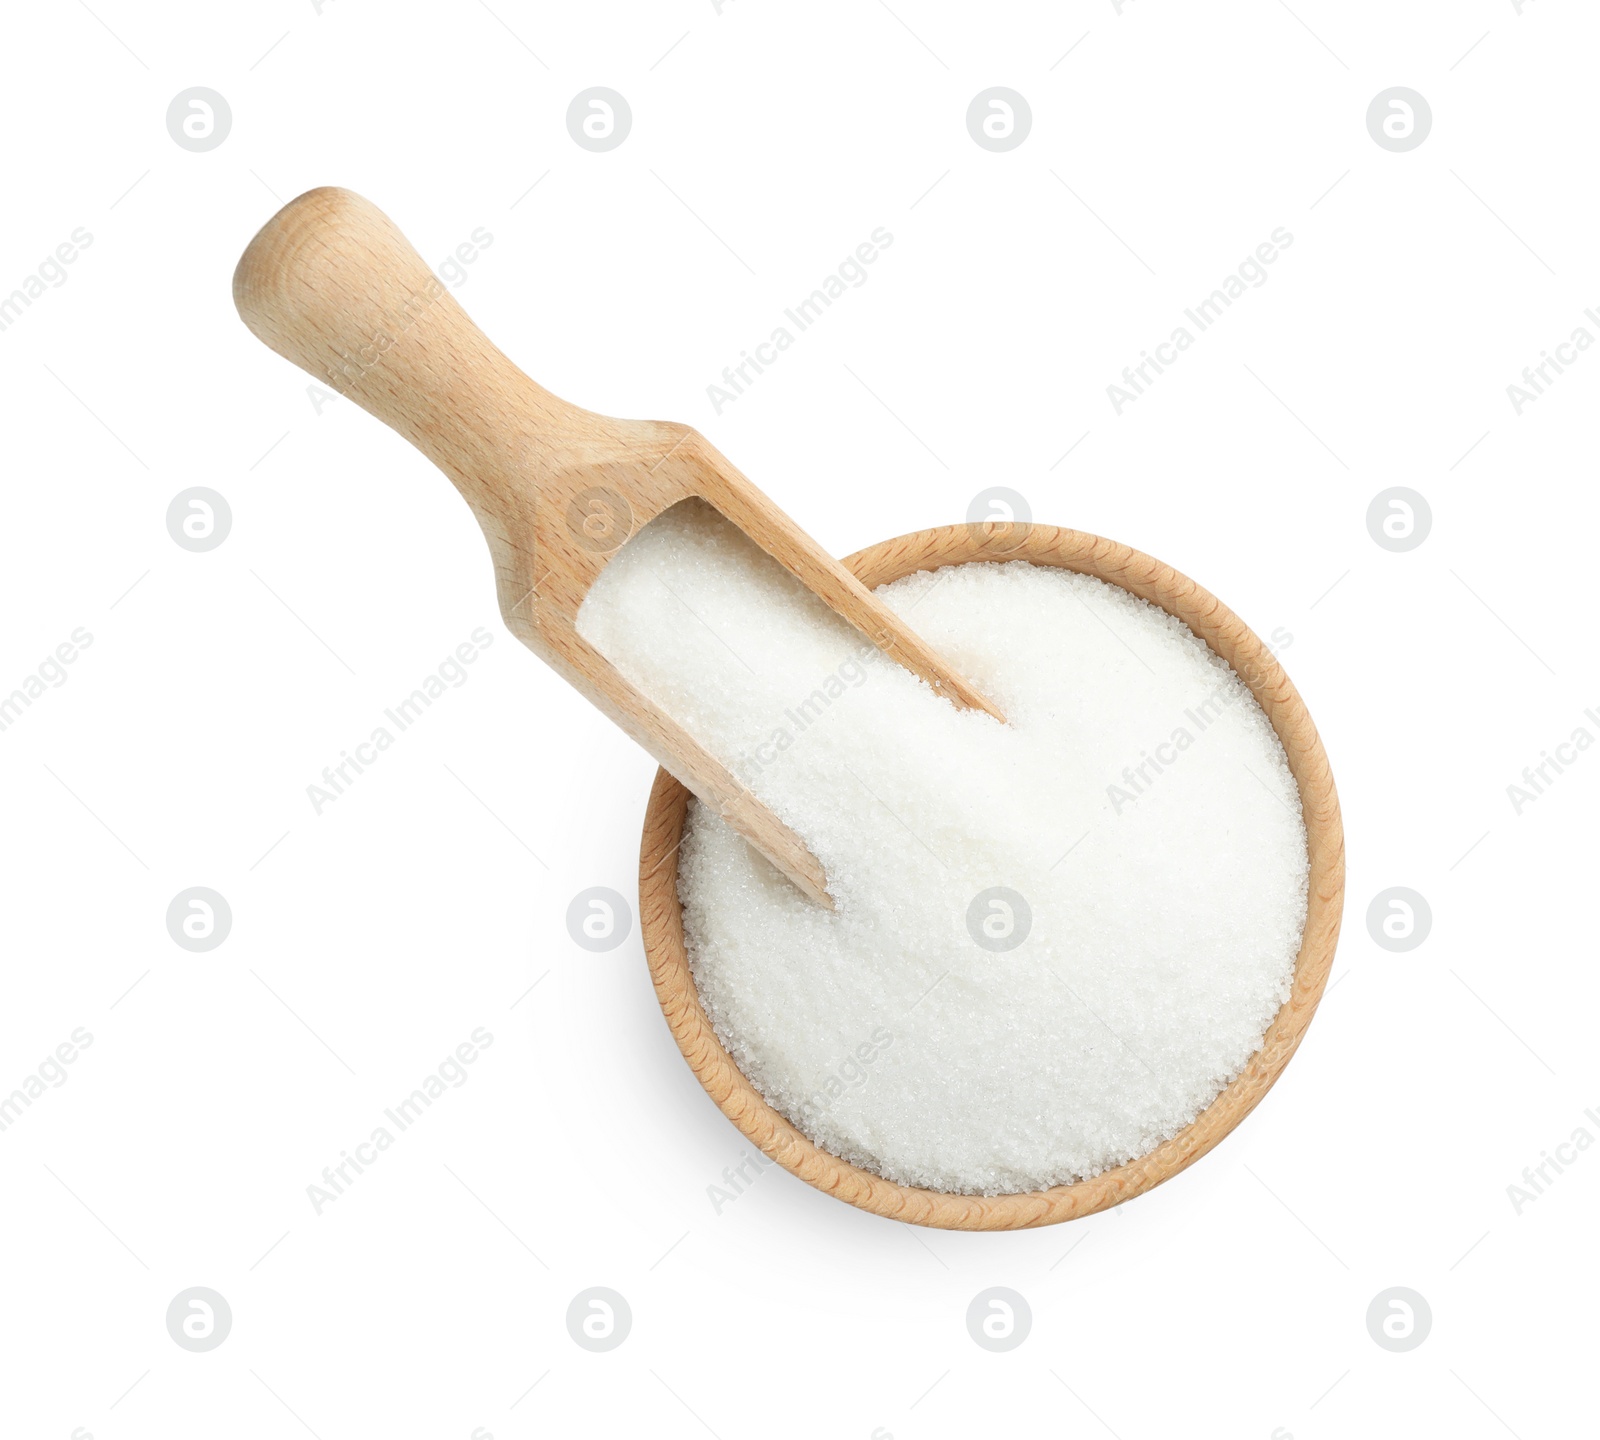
330	283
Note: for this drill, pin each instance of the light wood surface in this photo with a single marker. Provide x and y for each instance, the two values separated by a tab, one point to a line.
661	916
331	284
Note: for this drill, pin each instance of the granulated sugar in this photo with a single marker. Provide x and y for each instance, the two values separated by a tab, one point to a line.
1137	802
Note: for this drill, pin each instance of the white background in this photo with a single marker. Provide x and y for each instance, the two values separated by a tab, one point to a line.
367	942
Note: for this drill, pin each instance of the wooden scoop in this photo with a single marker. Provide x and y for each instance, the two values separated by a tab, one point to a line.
331	284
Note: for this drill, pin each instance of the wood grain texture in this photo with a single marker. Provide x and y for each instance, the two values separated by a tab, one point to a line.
331	284
661	916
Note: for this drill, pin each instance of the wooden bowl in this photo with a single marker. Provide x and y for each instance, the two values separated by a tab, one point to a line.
661	916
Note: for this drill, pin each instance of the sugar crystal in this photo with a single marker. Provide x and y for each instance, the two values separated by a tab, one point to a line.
1055	941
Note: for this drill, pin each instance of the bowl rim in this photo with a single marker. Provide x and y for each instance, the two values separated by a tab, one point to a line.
661	915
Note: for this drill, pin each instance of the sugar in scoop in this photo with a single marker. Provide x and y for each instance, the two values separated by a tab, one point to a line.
1055	941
